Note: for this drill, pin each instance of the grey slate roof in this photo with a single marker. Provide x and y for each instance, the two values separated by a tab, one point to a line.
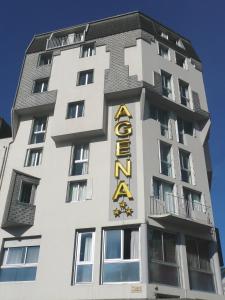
119	24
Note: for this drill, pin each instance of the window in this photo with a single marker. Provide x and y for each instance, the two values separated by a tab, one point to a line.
75	110
87	50
167	84
33	157
19	263
200	273
84	257
181	61
80	160
163	266
121	258
40	85
77	191
85	77
164	35
184	127
164	51
165	156
27	191
163	193
39	130
185	166
180	44
184	93
163	117
192	201
45	59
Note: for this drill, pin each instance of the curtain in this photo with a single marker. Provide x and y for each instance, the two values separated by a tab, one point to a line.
134	244
85	246
15	255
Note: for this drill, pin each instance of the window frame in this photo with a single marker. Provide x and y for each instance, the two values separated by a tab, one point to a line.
93	52
86	72
177	56
120	260
76	103
77	255
163	47
38	157
165	76
187	97
34	133
189	171
68	191
40	58
42	81
158	114
170	163
181	132
81	160
32	195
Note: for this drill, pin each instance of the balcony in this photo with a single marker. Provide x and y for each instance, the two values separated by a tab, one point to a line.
57	40
180	209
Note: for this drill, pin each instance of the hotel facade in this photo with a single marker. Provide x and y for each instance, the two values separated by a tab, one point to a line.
105	184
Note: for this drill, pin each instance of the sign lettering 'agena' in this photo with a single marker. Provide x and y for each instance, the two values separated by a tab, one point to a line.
123	130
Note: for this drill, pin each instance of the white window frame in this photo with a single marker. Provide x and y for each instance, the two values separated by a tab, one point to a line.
185	85
38	157
121	259
33	190
81	159
185	65
78	182
43	82
180	44
164	35
170	164
37	132
161	46
49	60
81	263
77	104
190	170
87	74
168	77
90	52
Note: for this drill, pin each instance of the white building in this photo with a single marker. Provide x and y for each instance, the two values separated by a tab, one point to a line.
106	187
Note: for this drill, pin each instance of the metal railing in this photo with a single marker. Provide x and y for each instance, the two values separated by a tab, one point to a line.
181	207
64	40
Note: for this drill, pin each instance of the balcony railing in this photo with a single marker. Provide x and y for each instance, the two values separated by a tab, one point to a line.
60	41
180	207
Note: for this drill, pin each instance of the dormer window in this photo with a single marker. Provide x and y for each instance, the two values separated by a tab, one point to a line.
180	44
164	35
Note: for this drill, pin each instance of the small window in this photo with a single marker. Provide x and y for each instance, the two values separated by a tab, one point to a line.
164	51
80	160
192	202
186	174
39	130
180	44
27	191
163	266
181	60
121	256
75	110
45	59
163	196
40	85
164	35
84	257
167	84
19	263
77	191
166	161
33	157
85	77
184	127
184	93
162	117
87	50
199	267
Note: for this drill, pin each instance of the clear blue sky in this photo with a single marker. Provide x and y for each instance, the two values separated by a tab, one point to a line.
202	21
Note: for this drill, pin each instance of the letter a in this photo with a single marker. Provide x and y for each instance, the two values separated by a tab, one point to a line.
122	112
122	190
